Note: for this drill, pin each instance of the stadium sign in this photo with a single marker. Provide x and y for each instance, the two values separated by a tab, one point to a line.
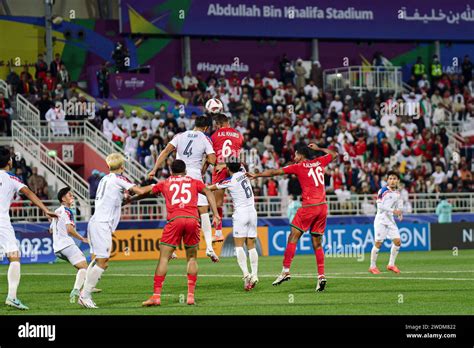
350	240
449	236
344	19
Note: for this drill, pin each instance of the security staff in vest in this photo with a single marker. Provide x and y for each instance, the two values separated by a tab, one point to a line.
436	70
418	69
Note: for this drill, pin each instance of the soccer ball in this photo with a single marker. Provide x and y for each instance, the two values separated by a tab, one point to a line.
214	106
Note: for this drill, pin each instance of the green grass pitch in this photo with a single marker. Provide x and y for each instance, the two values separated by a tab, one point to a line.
435	282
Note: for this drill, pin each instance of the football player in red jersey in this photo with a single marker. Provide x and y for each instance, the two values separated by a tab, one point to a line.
313	213
227	142
181	195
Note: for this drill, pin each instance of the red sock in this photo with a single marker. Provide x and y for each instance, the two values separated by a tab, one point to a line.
158	284
289	254
219	227
192	279
320	260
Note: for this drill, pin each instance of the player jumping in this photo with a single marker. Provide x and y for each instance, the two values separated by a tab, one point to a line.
313	212
389	204
191	146
10	185
62	229
104	222
244	219
181	195
227	142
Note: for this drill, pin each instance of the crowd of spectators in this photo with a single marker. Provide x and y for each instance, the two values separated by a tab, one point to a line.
276	115
278	112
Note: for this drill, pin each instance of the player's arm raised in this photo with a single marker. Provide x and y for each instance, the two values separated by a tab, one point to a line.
161	159
36	201
73	233
315	147
212	202
140	193
266	173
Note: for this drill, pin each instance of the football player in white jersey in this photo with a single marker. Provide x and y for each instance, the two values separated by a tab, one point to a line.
191	147
389	204
10	185
108	207
63	230
244	219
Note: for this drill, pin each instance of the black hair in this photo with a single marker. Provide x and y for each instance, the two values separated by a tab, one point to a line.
221	119
394	173
233	165
62	192
178	167
5	156
306	152
201	122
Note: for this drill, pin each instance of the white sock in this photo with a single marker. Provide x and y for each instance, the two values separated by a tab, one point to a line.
218	233
80	278
393	254
13	278
253	256
373	256
92	278
207	231
242	260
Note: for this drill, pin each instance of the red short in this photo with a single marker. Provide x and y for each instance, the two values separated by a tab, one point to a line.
186	229
311	218
218	177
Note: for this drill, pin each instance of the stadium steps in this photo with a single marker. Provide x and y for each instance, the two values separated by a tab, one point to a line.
89	134
59	174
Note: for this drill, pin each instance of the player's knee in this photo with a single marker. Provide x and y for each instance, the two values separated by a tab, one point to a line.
378	245
102	263
397	242
250	243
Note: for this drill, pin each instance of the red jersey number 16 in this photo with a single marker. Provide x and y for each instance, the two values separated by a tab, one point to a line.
181	193
317	175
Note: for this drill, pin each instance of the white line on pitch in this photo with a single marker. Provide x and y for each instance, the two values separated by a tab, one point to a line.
311	276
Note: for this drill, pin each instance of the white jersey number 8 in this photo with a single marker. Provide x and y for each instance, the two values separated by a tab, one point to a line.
185	194
317	175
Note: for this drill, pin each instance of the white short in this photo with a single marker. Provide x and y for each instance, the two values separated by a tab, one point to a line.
100	238
384	231
196	174
71	253
8	242
244	222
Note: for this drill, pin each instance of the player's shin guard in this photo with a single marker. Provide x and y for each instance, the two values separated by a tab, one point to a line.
288	257
192	279
373	256
158	284
320	260
253	256
207	230
393	254
92	278
219	226
242	260
80	278
13	279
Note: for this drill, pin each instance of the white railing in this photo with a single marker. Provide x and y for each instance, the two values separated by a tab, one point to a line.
103	146
84	131
155	209
28	112
362	78
30	145
4	88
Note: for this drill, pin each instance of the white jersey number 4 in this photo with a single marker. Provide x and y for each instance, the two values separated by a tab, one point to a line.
185	194
317	175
